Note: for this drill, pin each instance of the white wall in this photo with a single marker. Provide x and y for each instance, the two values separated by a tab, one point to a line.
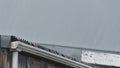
101	58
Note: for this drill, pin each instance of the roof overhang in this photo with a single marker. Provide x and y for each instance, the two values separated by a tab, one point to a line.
20	46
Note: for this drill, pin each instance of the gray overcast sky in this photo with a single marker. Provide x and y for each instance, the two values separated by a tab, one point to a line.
79	23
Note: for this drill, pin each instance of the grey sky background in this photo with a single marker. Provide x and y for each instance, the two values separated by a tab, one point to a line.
79	23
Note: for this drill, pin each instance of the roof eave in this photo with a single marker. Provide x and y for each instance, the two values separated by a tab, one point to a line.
39	52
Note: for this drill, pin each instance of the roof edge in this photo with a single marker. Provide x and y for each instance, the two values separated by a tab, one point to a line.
39	52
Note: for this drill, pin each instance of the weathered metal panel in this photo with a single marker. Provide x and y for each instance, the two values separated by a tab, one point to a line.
5	41
101	58
34	63
22	61
30	61
3	59
50	66
0	59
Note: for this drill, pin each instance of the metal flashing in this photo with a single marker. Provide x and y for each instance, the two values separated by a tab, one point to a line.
5	41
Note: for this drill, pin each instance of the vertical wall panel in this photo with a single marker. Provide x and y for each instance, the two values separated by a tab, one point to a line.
3	59
50	65
0	59
34	63
22	61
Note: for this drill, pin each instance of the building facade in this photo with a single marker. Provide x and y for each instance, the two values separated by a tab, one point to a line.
19	53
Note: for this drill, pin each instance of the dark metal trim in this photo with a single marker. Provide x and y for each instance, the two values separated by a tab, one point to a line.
5	41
